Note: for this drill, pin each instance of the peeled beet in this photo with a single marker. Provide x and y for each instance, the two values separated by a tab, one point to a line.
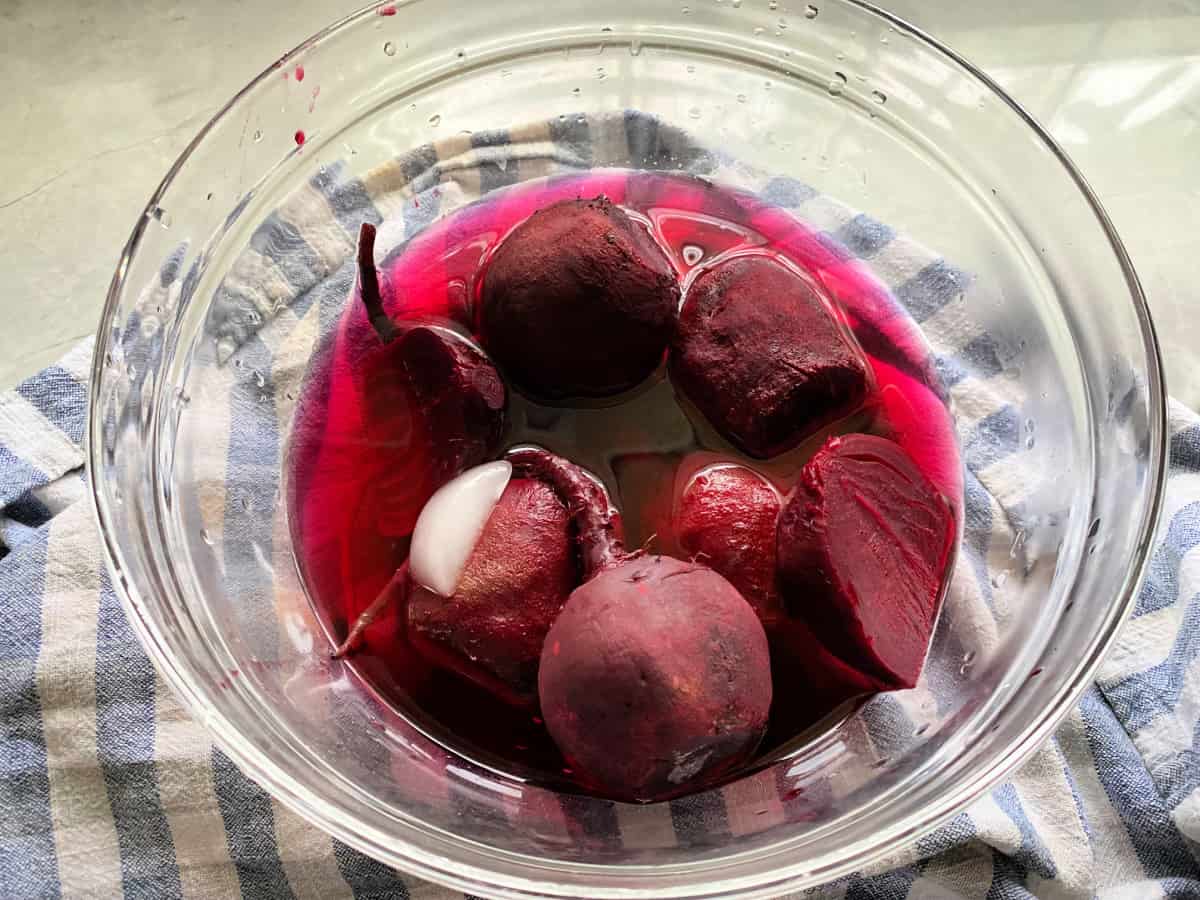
726	518
760	353
655	679
514	584
578	301
865	545
432	397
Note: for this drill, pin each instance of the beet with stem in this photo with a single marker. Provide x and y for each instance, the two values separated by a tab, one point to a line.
763	357
431	395
865	547
655	679
578	301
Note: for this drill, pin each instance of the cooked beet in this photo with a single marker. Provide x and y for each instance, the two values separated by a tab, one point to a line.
429	391
491	565
578	301
760	353
655	679
514	584
865	546
726	518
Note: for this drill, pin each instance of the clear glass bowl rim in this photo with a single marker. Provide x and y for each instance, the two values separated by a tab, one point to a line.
477	877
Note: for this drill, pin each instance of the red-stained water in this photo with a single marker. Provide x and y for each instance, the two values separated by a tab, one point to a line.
300	138
351	480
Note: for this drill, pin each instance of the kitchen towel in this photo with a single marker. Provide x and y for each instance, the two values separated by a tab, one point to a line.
109	788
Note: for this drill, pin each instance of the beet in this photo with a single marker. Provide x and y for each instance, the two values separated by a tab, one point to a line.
865	546
491	565
430	391
655	679
578	301
514	584
726	518
761	354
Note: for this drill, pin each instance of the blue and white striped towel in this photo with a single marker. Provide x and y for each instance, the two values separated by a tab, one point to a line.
108	788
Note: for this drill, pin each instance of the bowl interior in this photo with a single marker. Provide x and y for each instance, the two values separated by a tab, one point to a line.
871	135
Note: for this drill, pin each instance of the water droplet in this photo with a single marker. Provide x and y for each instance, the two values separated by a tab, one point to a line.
736	4
206	537
999	579
435	120
810	12
692	254
257	136
600	73
759	31
782	25
162	217
1094	529
460	54
836	84
1029	442
773	5
741	98
686	10
389	49
694	112
259	379
766	85
182	398
691	70
883	39
635	47
879	97
246	503
576	91
922	729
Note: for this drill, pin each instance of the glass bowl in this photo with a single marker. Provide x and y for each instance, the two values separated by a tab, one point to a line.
969	213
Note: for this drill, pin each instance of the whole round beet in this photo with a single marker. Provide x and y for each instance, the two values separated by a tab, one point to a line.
578	301
656	677
865	546
761	355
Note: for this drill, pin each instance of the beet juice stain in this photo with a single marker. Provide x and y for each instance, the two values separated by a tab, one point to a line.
351	496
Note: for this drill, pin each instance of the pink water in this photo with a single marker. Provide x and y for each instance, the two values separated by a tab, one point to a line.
356	471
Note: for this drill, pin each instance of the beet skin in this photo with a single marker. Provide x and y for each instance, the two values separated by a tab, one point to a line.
515	583
578	301
656	673
656	678
760	354
865	545
726	518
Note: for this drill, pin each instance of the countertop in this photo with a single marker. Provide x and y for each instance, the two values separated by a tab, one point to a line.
98	101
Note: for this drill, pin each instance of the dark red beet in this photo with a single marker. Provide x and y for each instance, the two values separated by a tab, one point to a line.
726	518
865	546
431	380
760	353
514	585
655	679
578	301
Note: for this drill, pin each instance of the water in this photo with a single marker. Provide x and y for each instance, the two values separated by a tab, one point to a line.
351	497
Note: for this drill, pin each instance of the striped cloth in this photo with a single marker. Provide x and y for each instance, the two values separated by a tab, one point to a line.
108	788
